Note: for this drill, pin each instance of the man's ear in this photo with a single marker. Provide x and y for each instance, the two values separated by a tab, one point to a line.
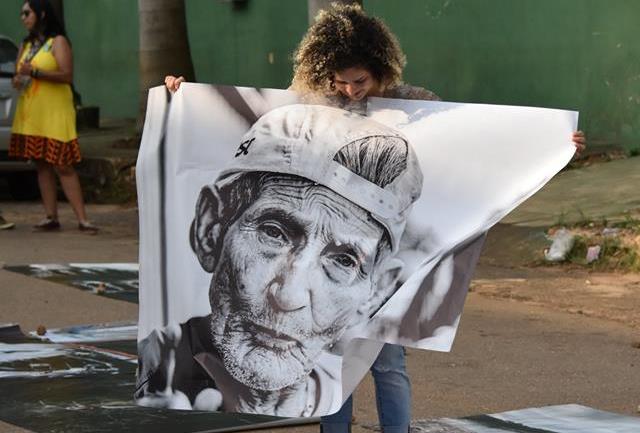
207	228
385	280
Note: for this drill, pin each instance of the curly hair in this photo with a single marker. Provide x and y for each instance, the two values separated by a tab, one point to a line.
344	37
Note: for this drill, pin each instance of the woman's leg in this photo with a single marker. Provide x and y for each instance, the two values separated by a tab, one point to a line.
339	422
48	191
393	389
71	187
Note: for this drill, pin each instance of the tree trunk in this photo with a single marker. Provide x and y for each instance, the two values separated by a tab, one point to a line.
314	6
164	46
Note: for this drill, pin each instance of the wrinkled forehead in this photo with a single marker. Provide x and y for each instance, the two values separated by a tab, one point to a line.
311	204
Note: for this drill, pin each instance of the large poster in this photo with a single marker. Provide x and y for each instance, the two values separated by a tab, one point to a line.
282	243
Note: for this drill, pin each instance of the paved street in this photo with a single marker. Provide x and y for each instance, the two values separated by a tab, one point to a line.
528	337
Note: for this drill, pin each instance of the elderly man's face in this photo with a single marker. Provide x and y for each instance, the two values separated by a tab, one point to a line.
294	268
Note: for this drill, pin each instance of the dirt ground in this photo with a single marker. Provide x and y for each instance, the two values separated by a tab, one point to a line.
529	336
509	269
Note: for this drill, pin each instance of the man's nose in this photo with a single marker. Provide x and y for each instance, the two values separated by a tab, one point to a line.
287	296
291	290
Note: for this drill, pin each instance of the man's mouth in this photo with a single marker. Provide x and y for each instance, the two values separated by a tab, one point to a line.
270	338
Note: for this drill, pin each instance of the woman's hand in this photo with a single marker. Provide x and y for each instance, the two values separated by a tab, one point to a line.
25	69
16	82
173	83
580	141
21	77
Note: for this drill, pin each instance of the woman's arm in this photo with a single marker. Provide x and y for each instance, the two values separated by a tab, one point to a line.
15	81
61	51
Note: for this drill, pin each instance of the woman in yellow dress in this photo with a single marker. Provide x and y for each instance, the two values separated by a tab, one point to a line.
44	127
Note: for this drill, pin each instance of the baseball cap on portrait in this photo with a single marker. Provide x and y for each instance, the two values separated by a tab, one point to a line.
303	140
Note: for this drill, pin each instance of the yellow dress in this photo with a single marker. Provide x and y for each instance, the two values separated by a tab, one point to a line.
44	126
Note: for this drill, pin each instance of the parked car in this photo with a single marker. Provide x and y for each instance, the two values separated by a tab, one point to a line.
20	175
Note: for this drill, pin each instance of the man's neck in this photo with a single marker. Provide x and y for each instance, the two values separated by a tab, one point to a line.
295	400
290	401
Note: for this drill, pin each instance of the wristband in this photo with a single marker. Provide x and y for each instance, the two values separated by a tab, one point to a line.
34	73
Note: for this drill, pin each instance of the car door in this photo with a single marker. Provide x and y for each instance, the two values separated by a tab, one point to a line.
8	95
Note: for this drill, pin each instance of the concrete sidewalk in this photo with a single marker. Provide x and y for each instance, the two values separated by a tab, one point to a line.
116	138
604	190
107	171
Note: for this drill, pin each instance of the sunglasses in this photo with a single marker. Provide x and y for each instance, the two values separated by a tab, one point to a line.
25	13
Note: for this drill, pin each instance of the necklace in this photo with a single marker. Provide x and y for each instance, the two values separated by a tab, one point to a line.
36	44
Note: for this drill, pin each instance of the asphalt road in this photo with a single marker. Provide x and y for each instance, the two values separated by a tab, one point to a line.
511	351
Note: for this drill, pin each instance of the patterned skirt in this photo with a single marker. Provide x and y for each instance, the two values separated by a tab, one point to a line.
53	151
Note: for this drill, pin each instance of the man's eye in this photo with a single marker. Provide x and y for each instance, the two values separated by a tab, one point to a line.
345	260
273	231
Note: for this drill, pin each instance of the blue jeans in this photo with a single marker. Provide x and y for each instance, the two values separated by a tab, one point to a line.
393	396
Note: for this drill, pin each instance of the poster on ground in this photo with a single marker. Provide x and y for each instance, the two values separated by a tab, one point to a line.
80	380
112	280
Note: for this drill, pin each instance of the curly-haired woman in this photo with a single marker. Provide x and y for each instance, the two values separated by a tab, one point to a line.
344	57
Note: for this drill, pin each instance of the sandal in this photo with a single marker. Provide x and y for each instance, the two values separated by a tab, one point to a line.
86	226
6	225
48	224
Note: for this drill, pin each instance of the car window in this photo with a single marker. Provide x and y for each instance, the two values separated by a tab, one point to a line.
8	51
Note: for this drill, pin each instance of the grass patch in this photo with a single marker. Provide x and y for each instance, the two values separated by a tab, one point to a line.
615	253
619	243
629	222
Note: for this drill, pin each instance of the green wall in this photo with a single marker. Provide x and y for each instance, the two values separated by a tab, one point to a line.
10	24
104	37
104	34
574	54
249	46
246	46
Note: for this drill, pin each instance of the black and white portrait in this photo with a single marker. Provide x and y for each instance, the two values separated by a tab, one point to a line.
283	243
299	235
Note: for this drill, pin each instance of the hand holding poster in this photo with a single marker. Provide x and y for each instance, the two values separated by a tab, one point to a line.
282	244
